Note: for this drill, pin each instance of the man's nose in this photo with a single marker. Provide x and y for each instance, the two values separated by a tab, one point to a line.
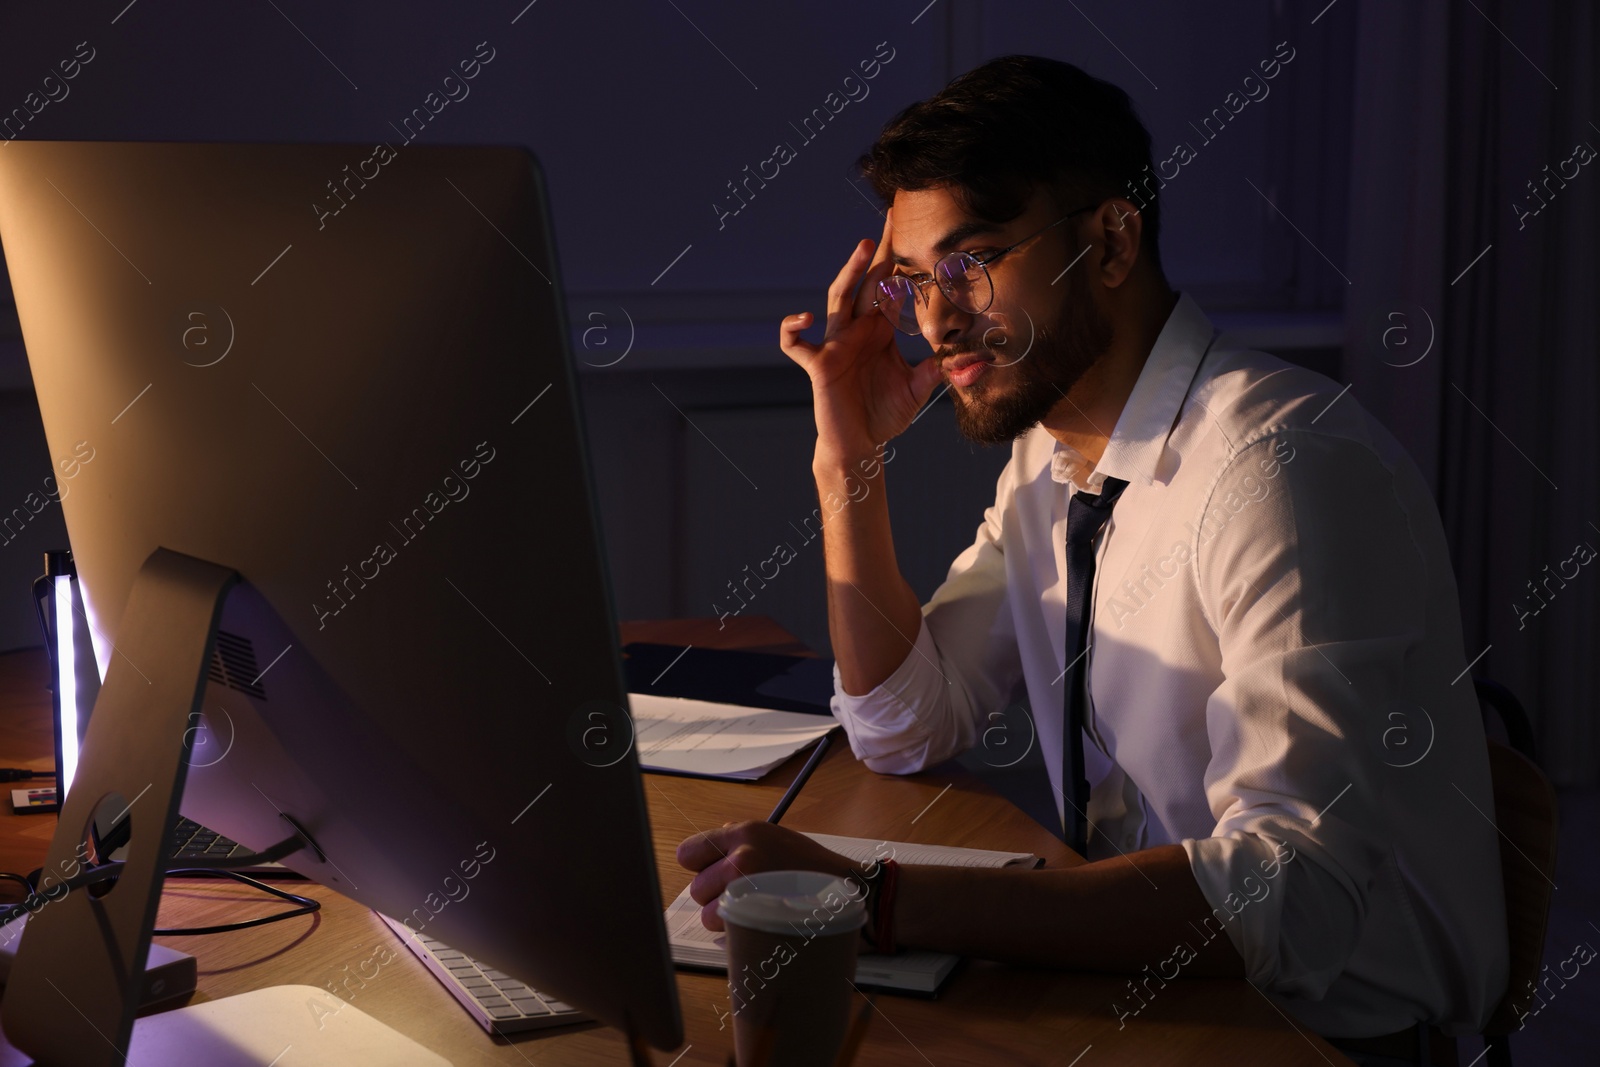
942	322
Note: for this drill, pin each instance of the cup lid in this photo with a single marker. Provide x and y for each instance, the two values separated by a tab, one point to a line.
803	903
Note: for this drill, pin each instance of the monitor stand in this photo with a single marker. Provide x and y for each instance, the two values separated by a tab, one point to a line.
83	959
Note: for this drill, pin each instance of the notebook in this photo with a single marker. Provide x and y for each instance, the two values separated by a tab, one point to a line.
909	972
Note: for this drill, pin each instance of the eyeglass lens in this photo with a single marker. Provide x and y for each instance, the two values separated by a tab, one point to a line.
961	277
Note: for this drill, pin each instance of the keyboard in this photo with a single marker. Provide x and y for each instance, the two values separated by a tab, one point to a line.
191	841
500	1003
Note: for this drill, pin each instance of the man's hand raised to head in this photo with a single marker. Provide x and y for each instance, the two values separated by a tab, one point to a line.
863	395
863	390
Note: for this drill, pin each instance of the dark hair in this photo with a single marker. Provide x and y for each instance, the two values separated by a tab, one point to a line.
998	131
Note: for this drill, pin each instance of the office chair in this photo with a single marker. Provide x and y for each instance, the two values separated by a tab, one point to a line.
1525	812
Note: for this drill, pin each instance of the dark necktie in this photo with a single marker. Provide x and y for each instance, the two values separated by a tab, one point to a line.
1086	515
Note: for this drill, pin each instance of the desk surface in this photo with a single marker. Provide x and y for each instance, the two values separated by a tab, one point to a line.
989	1013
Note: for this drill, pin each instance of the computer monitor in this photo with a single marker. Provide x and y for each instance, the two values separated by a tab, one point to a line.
342	374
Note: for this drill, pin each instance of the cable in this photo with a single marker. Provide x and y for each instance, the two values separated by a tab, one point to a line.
35	900
197	865
8	876
307	905
20	774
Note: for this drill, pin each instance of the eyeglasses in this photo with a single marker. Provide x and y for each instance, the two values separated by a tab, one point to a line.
962	277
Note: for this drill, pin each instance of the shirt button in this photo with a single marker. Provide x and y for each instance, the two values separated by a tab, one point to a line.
1129	840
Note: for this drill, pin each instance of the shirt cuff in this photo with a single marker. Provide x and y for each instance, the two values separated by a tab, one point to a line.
1292	922
905	723
1241	877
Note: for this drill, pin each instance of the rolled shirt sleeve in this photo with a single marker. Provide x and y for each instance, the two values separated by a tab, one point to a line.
962	665
1317	597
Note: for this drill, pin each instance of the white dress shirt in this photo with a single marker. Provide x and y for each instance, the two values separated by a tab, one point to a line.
1276	674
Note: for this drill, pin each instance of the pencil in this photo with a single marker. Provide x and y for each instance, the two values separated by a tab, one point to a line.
800	779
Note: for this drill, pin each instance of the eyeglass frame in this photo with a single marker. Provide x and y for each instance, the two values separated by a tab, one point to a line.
982	263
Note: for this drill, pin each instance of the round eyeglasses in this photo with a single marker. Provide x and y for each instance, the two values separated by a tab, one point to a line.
963	279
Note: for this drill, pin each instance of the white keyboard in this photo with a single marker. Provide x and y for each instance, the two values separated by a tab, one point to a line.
500	1003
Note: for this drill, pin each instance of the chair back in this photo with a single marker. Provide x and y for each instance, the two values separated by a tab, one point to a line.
1525	812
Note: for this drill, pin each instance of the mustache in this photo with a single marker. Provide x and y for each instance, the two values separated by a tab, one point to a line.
993	343
951	351
976	344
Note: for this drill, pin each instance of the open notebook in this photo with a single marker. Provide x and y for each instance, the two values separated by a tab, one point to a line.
915	972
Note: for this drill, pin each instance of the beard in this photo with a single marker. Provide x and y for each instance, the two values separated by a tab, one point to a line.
993	412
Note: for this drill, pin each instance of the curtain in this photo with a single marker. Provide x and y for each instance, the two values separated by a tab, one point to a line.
1471	325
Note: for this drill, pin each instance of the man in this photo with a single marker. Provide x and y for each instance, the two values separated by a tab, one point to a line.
1222	588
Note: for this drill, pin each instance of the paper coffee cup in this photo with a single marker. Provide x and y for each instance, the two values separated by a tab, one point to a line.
791	939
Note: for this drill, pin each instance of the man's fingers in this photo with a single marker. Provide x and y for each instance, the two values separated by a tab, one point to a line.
709	883
924	377
882	266
794	346
869	287
709	917
842	293
885	243
699	851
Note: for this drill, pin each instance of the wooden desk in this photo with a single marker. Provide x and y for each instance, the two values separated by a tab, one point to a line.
989	1013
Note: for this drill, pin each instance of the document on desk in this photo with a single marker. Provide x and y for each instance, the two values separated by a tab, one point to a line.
718	740
912	972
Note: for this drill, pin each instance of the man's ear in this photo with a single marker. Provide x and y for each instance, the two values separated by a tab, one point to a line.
1121	229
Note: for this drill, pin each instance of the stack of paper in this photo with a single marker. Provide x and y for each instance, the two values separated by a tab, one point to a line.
718	740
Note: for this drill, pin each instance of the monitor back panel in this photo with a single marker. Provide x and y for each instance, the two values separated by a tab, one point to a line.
344	372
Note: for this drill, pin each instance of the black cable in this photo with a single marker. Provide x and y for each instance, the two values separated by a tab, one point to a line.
307	905
20	774
36	900
8	876
196	865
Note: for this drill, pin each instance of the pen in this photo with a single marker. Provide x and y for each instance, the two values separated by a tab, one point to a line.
800	779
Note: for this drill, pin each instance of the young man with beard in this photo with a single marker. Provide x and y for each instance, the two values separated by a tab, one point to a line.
1219	585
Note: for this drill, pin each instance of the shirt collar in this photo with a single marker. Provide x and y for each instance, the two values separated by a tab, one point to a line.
1140	436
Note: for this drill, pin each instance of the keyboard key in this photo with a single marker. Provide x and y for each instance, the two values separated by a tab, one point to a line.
500	1003
530	1005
